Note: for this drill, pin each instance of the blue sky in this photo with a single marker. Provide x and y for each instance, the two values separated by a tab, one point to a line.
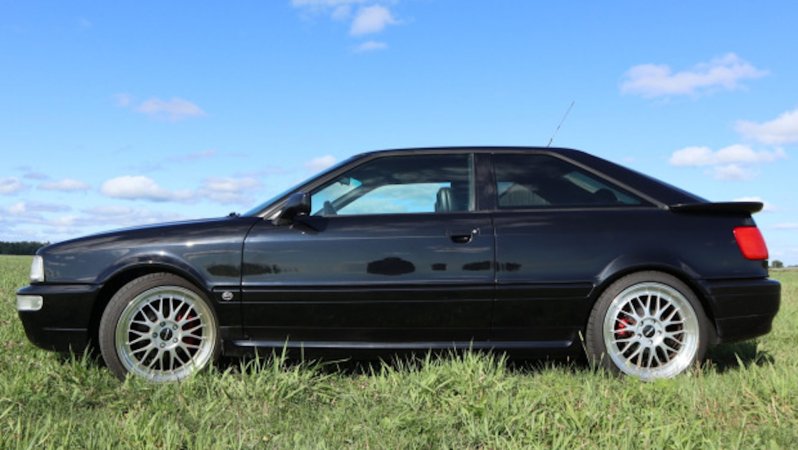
114	114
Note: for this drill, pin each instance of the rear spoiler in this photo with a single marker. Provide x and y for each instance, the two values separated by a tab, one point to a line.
718	208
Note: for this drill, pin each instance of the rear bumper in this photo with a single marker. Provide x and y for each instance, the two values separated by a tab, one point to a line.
62	323
743	309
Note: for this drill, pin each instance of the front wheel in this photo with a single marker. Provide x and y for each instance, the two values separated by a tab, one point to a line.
159	327
648	325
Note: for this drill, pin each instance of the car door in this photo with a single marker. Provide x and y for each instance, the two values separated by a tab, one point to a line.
393	254
557	225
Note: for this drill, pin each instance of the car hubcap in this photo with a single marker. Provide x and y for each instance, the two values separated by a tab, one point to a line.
651	331
165	334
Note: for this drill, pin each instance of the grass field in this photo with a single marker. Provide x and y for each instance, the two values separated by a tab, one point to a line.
746	396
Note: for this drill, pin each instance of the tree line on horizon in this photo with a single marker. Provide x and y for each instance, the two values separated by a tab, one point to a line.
21	247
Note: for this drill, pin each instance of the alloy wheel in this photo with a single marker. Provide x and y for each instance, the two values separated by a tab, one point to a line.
651	331
165	334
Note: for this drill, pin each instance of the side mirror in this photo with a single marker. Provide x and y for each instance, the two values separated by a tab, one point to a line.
298	204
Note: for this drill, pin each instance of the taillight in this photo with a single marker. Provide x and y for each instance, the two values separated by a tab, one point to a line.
751	243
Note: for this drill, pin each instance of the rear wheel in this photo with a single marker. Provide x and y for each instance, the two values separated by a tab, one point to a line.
159	327
647	325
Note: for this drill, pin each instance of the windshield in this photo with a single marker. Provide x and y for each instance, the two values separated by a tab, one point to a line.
257	210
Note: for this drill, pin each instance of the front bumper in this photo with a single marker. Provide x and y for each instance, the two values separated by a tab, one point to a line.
743	309
62	322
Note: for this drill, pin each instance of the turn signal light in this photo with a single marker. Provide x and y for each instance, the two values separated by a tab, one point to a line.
751	243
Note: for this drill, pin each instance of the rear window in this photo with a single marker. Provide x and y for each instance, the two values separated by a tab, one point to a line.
543	181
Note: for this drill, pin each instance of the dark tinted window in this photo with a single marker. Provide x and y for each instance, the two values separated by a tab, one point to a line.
540	181
400	184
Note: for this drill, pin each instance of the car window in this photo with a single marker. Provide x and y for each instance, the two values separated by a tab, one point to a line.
542	181
400	185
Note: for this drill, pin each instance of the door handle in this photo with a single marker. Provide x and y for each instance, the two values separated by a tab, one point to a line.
463	237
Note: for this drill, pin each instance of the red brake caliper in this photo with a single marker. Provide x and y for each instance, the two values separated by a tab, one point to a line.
190	317
621	328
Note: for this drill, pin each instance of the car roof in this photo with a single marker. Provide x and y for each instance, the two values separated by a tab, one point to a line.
475	149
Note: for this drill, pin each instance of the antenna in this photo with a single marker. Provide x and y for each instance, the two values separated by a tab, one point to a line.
565	116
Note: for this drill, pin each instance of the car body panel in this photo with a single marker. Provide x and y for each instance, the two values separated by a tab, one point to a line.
388	278
527	280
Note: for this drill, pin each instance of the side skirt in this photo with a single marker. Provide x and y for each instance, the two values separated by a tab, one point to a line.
367	348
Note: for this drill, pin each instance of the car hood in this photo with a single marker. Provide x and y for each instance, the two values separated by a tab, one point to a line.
168	230
95	258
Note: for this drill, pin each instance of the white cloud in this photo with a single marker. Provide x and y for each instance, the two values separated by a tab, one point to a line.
734	162
228	190
692	156
320	163
767	206
365	17
35	226
141	188
174	109
11	185
24	208
115	215
31	175
224	190
781	130
338	10
733	172
123	100
342	12
334	7
17	209
323	3
63	222
733	154
371	46
65	185
371	19
48	207
658	80
786	226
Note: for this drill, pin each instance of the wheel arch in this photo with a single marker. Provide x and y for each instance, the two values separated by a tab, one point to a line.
672	266
125	275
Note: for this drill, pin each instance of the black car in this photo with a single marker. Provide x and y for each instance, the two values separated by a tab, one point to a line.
536	251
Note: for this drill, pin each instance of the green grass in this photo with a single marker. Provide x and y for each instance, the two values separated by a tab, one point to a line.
746	396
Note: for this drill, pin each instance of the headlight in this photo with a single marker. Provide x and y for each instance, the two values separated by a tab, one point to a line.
37	269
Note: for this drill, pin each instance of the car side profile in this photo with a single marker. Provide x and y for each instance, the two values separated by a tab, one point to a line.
533	251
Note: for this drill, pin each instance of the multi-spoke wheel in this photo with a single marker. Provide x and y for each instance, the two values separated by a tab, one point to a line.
158	327
648	325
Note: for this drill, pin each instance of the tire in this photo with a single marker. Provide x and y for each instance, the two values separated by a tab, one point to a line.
159	327
647	325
